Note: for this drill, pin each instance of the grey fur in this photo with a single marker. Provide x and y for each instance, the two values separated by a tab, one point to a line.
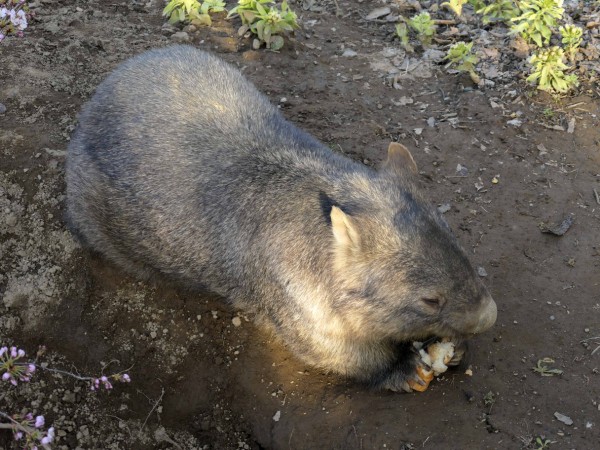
180	166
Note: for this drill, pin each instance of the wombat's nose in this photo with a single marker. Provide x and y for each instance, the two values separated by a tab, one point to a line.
488	314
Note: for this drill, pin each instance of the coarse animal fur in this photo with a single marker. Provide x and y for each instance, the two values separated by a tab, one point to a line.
180	166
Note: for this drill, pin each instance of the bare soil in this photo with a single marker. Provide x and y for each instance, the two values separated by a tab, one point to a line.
199	381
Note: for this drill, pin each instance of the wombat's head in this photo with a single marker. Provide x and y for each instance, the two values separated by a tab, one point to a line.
404	275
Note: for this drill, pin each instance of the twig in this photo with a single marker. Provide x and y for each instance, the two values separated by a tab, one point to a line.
153	408
597	196
589	339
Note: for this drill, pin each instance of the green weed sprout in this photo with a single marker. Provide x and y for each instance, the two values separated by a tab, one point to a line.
498	11
266	21
476	4
187	10
402	33
460	56
247	11
548	70
424	26
571	39
537	19
455	6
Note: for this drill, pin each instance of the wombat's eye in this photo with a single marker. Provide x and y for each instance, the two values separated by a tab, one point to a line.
431	302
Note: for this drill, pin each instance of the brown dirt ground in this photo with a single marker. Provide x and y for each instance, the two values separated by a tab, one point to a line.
199	381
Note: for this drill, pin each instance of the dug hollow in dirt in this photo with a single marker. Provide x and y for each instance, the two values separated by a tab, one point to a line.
180	166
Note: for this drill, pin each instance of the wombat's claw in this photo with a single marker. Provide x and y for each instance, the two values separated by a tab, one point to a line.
422	378
456	358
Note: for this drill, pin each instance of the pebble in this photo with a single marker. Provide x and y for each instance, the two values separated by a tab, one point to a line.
180	36
378	12
277	416
349	53
481	272
444	208
11	219
2	108
564	419
236	321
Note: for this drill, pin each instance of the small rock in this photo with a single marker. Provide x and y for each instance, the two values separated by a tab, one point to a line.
431	122
236	321
153	334
378	12
418	131
515	122
571	127
2	108
461	170
277	416
349	53
11	219
180	36
564	419
444	208
481	272
559	228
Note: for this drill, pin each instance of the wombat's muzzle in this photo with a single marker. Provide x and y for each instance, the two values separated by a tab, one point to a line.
487	315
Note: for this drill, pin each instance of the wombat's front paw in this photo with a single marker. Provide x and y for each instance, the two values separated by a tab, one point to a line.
460	349
413	375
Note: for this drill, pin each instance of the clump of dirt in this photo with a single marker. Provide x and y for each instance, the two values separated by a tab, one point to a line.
497	160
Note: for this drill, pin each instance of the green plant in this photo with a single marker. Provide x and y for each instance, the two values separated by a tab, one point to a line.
187	10
541	443
489	399
537	19
545	370
498	11
247	11
266	21
209	6
548	113
455	5
476	4
423	26
460	55
548	70
402	33
571	39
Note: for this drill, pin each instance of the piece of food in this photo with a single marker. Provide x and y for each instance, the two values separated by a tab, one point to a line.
434	362
440	354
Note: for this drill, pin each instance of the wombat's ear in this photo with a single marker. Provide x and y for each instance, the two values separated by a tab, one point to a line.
399	159
344	229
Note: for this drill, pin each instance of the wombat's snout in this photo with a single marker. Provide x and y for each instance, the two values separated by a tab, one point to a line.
487	315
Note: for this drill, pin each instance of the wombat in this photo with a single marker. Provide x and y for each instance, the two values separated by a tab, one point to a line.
179	166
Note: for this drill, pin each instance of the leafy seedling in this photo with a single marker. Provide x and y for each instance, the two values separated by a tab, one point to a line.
548	70
460	56
571	39
247	11
545	370
265	21
498	11
537	19
402	33
455	6
192	10
423	26
541	443
476	4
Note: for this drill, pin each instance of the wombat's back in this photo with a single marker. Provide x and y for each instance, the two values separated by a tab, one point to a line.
180	165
